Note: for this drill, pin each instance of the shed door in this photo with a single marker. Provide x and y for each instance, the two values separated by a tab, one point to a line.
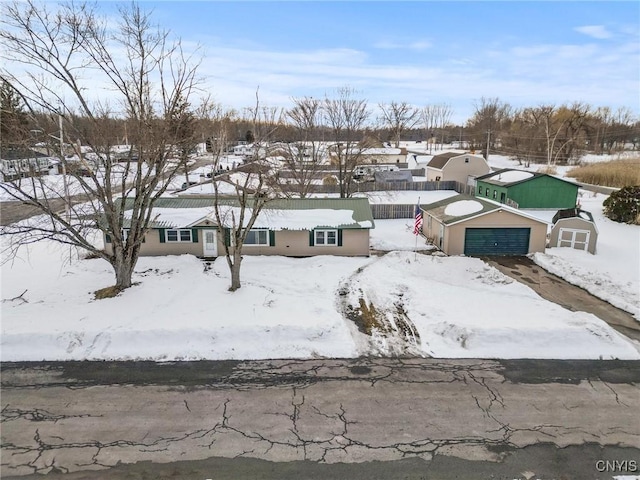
209	243
578	239
496	241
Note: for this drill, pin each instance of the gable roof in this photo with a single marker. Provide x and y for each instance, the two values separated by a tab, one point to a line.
439	161
507	177
465	207
283	213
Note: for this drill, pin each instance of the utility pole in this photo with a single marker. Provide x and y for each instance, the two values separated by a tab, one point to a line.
488	139
64	169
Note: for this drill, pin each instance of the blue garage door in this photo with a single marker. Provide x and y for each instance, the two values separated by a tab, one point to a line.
496	241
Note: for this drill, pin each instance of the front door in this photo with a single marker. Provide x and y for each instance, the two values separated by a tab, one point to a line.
209	243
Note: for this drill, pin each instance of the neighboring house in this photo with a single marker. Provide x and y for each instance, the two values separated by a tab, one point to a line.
523	189
574	228
393	176
455	166
468	225
288	227
366	156
383	155
24	162
243	150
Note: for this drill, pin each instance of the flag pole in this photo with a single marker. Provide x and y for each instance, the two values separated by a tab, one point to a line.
415	248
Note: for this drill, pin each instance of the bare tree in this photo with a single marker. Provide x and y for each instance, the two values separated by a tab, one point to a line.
398	117
429	116
56	59
302	158
237	213
443	115
345	117
490	118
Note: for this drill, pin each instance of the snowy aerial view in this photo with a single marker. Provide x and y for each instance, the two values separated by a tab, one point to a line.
319	240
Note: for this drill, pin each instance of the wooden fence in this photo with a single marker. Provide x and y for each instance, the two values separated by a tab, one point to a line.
385	186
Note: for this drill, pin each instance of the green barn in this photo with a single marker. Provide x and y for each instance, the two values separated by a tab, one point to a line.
522	189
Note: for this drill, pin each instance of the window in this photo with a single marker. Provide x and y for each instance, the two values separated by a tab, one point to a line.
466	160
479	190
495	194
326	237
437	179
257	237
486	192
182	235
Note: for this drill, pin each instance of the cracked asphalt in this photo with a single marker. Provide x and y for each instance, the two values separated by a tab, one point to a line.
361	418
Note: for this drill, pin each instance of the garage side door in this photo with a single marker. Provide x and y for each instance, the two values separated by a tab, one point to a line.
496	241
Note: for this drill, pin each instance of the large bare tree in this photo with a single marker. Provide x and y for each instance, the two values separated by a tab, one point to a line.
69	62
345	116
398	117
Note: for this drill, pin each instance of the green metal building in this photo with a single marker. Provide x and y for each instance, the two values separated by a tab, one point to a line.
522	189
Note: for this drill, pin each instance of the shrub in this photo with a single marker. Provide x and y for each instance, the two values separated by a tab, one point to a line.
624	205
330	180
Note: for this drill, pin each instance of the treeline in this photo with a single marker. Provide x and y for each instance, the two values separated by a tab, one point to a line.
549	134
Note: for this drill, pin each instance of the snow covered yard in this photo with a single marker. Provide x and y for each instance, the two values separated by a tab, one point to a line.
288	308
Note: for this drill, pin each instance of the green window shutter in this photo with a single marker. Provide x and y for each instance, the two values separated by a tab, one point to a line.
339	237
194	235
311	238
272	238
107	238
161	233
227	237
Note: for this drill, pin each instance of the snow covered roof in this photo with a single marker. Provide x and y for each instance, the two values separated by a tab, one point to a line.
462	207
512	176
280	214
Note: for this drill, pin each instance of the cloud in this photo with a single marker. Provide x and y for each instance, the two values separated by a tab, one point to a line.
595	31
416	45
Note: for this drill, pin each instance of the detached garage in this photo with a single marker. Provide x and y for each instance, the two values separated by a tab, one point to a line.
476	227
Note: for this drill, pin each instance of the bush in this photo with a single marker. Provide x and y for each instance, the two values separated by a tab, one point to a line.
624	205
330	180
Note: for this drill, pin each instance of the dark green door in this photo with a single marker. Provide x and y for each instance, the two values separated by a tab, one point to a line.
496	241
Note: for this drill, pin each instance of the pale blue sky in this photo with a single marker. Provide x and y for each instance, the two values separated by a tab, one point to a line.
424	52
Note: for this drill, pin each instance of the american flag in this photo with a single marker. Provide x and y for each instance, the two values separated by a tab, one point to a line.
417	224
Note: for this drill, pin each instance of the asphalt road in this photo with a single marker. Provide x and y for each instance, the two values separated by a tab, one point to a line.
321	419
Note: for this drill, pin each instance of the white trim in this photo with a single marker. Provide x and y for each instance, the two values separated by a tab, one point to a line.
325	232
179	240
266	230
